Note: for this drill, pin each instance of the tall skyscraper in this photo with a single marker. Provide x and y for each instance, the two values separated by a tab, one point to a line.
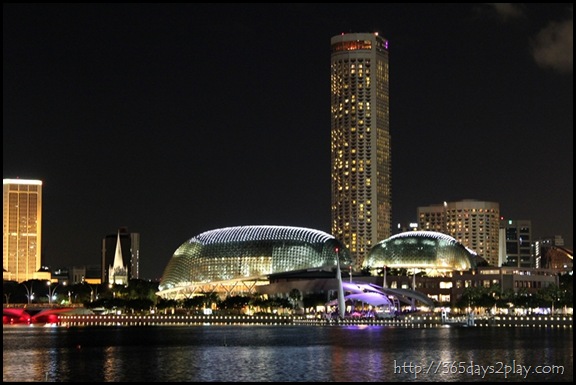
22	229
360	142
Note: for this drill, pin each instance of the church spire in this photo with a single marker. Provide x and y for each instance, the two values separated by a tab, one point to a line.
118	263
118	273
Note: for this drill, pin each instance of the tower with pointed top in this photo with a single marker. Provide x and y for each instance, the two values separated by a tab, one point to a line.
121	249
118	272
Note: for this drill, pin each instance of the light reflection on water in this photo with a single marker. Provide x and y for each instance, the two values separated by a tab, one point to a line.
282	353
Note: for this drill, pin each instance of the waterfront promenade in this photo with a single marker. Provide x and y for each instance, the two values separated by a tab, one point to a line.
418	321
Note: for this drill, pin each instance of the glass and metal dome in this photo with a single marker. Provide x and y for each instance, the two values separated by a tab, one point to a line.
248	253
420	249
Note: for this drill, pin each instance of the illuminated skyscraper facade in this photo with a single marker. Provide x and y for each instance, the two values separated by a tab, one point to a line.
22	229
475	224
360	142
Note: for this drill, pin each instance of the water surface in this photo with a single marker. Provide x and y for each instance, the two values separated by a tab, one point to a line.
285	353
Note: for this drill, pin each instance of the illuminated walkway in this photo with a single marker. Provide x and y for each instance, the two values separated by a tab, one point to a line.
417	321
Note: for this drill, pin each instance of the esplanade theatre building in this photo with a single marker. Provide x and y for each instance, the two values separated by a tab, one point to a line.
274	260
237	260
427	251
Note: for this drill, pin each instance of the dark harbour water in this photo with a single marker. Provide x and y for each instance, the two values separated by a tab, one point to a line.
285	353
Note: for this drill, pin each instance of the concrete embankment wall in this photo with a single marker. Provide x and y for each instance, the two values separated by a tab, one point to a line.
407	322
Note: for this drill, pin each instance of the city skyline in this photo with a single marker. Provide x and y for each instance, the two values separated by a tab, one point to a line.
172	120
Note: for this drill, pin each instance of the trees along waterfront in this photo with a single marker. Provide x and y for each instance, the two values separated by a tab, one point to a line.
140	296
552	297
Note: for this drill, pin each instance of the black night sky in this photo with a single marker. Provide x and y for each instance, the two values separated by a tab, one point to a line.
175	119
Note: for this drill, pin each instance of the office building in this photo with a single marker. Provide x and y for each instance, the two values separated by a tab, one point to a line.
516	236
120	251
473	223
361	206
22	229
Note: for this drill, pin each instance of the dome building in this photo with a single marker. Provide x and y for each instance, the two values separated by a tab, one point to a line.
429	251
235	260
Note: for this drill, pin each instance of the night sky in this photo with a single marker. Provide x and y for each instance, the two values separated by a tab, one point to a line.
175	119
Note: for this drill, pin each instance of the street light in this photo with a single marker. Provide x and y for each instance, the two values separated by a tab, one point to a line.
93	291
93	294
51	293
29	292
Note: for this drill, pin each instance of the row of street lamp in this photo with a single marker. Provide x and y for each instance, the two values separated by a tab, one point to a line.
52	292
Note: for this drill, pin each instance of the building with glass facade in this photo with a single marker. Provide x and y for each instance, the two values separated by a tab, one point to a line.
276	260
516	243
235	260
361	207
429	251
